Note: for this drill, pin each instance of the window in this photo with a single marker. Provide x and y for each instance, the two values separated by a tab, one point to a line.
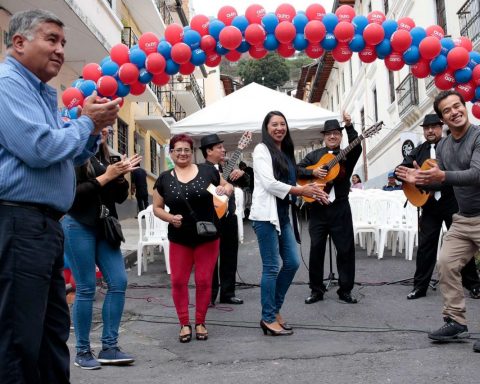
331	103
375	105
391	84
441	14
343	82
338	96
362	118
153	155
122	137
385	6
351	72
369	7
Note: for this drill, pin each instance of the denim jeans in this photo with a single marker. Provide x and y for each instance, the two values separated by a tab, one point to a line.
83	251
275	279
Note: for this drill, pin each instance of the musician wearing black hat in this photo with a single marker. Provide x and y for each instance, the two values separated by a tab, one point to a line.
439	208
224	274
335	218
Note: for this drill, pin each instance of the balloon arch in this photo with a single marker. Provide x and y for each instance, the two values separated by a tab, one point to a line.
427	51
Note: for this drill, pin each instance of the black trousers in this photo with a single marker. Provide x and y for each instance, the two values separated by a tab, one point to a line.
34	317
224	274
430	227
334	220
142	202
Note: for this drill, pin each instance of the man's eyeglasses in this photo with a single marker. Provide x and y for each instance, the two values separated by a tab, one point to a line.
178	151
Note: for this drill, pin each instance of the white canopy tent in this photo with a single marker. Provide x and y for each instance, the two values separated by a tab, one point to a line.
245	109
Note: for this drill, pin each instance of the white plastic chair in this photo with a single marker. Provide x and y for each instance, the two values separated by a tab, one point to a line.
155	233
240	209
364	220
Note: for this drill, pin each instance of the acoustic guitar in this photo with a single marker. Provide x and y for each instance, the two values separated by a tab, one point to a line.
418	197
330	162
221	205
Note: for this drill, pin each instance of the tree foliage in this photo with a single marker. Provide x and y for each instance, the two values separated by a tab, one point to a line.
271	71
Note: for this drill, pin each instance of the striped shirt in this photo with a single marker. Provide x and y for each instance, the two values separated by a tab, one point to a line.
38	150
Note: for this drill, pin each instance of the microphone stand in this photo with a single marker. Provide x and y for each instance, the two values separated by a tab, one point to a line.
331	276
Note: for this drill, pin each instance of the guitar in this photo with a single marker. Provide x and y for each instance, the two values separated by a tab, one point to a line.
221	206
331	162
418	197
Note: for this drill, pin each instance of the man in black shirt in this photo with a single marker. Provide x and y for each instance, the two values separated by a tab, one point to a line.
139	187
334	219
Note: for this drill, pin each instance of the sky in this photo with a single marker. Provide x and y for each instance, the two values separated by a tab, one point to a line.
211	7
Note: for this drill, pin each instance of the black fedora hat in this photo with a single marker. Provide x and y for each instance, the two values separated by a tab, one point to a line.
331	125
431	119
210	140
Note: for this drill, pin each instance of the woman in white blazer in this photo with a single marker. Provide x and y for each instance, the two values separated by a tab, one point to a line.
275	180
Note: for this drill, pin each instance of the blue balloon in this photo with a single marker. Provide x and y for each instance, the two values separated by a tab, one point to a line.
76	83
192	39
357	43
73	113
300	43
270	22
463	75
244	46
418	34
359	22
164	48
123	89
198	57
87	87
220	49
138	57
133	47
241	22
329	42
389	26
271	42
215	27
438	64
447	44
477	93
411	55
110	68
104	60
300	21
186	28
330	20
384	48
474	59
171	68
144	76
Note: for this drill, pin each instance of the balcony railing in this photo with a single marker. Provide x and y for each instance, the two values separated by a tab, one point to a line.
429	82
197	92
169	103
164	11
469	18
129	37
407	93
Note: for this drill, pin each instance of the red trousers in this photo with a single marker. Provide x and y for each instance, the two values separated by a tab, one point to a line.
182	259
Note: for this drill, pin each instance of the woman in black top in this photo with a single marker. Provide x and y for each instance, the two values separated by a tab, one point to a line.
187	248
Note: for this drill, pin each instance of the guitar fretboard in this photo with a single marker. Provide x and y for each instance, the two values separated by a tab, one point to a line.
231	163
344	152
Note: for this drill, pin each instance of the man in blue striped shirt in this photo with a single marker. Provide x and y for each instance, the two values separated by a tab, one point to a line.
38	153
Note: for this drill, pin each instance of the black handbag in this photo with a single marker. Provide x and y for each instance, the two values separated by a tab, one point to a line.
111	228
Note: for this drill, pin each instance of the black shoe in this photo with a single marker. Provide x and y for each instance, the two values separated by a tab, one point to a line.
476	346
347	297
416	294
475	293
185	338
286	326
314	297
451	330
231	300
267	331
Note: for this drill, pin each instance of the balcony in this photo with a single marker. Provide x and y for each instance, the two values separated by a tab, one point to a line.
469	18
149	15
407	94
129	37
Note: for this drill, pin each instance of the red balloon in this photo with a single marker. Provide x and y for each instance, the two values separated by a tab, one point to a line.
174	33
255	34
394	61
257	52
200	24
314	51
186	68
467	90
119	54
137	88
233	56
72	97
286	50
226	14
148	42
181	53
344	31
254	13
91	71
367	54
457	58
430	47
435	31
476	109
401	40
161	79
345	13
107	85
230	37
476	74
213	59
285	12
208	43
128	73
444	80
464	42
155	63
285	32
315	12
373	34
405	24
342	53
421	69
314	31
376	17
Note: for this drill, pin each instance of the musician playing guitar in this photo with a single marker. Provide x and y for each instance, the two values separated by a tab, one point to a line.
438	205
335	218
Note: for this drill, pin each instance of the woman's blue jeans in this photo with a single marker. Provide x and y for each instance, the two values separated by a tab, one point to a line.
275	279
83	251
